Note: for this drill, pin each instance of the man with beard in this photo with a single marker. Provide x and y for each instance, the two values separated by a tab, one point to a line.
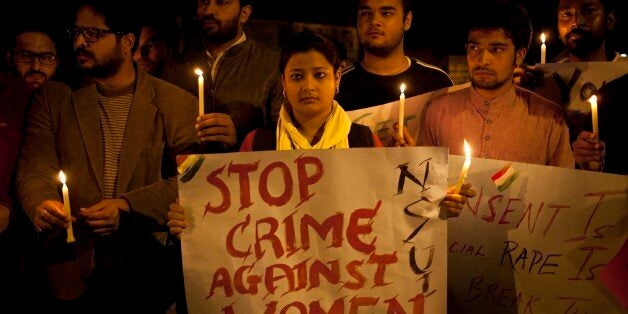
498	119
375	79
583	27
243	89
31	61
33	56
115	140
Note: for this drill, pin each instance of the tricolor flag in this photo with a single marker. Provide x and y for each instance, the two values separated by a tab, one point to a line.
188	165
504	177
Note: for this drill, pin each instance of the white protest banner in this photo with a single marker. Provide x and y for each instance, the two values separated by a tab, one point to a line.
571	84
315	231
381	118
538	245
479	280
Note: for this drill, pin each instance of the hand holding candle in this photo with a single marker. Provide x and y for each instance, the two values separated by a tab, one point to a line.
543	48
201	92
465	168
402	103
66	206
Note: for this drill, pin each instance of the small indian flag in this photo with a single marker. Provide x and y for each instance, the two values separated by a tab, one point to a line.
504	177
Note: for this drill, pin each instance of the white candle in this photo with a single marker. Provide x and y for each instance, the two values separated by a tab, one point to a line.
543	48
593	101
465	167
201	92
594	165
66	206
402	104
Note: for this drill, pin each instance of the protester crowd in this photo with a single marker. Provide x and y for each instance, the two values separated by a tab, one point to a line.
114	102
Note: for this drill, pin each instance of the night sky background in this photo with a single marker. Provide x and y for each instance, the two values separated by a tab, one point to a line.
436	31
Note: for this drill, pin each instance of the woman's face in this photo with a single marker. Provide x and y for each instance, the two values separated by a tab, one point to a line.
310	83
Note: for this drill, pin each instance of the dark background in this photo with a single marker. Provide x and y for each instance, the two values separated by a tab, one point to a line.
436	32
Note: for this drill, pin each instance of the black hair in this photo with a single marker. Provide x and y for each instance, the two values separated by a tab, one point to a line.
609	5
165	27
42	25
341	49
118	15
35	27
512	18
246	2
406	5
308	40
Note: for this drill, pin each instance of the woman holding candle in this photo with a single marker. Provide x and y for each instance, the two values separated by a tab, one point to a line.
311	119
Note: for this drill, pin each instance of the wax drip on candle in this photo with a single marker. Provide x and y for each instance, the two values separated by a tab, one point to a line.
543	48
402	103
593	101
594	165
201	92
66	206
465	167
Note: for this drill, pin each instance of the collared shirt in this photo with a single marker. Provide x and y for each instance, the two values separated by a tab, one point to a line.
518	126
214	61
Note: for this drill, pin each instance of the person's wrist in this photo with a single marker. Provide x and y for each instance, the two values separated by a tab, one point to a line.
125	204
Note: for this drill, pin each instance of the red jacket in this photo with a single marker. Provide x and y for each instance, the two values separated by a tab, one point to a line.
14	102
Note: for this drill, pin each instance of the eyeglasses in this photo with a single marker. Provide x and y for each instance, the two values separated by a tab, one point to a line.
90	34
29	57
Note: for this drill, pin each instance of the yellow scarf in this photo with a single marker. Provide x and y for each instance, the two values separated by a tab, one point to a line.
335	131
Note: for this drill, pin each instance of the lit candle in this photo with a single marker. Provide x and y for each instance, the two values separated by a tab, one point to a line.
543	48
593	101
594	165
402	104
465	167
201	92
66	206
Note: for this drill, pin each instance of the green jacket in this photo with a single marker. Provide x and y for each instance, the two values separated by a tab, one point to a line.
248	84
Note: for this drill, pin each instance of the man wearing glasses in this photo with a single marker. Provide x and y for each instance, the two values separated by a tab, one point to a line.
31	60
33	57
115	140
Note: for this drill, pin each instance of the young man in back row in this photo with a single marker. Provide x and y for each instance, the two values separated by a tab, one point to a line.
375	79
498	119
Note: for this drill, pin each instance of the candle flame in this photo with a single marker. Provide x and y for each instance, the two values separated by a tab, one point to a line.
62	177
198	72
402	87
543	38
467	150
593	99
